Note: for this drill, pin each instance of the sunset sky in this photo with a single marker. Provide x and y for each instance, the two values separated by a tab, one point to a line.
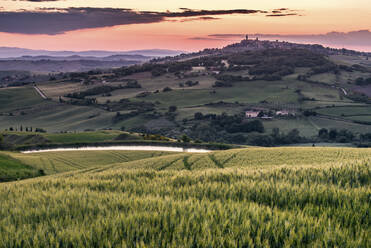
173	24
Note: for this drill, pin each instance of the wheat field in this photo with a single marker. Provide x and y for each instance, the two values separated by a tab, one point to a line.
255	197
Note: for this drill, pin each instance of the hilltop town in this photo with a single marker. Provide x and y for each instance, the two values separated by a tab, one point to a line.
254	44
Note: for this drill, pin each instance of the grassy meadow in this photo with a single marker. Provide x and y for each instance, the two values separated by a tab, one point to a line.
56	162
12	99
253	197
18	138
22	106
13	169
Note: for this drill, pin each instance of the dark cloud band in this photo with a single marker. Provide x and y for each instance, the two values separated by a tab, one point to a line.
36	1
54	21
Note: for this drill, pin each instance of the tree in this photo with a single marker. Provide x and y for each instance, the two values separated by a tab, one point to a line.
256	126
365	137
323	133
345	136
198	116
172	108
275	132
237	139
359	81
333	134
308	113
185	139
1	142
293	136
261	140
167	89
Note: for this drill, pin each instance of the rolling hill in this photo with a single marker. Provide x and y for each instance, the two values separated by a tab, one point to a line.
42	61
206	95
293	197
13	52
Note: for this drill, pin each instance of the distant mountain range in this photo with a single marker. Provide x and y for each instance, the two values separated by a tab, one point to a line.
78	57
15	52
21	59
56	66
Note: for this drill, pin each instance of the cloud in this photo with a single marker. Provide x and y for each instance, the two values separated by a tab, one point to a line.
202	18
219	37
57	21
203	38
227	36
53	21
282	9
283	12
190	12
38	1
280	15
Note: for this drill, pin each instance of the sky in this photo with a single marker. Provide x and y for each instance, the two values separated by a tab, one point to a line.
121	25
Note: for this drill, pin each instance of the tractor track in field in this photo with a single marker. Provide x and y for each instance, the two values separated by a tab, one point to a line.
215	161
169	164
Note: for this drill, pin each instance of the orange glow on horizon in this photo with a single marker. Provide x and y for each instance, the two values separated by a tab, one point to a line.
317	17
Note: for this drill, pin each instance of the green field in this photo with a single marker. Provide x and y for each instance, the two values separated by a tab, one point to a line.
13	99
339	124
255	197
313	192
12	169
361	118
70	118
86	137
298	90
31	110
346	111
18	138
56	162
305	125
248	92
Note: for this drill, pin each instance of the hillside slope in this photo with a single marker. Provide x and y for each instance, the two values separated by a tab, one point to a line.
57	162
254	158
297	197
12	169
206	97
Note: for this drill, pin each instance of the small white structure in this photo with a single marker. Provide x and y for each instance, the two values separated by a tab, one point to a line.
284	113
252	114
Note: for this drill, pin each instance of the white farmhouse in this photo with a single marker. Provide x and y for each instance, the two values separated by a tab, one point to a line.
252	114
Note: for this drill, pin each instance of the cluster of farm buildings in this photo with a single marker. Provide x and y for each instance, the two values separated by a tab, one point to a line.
251	114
